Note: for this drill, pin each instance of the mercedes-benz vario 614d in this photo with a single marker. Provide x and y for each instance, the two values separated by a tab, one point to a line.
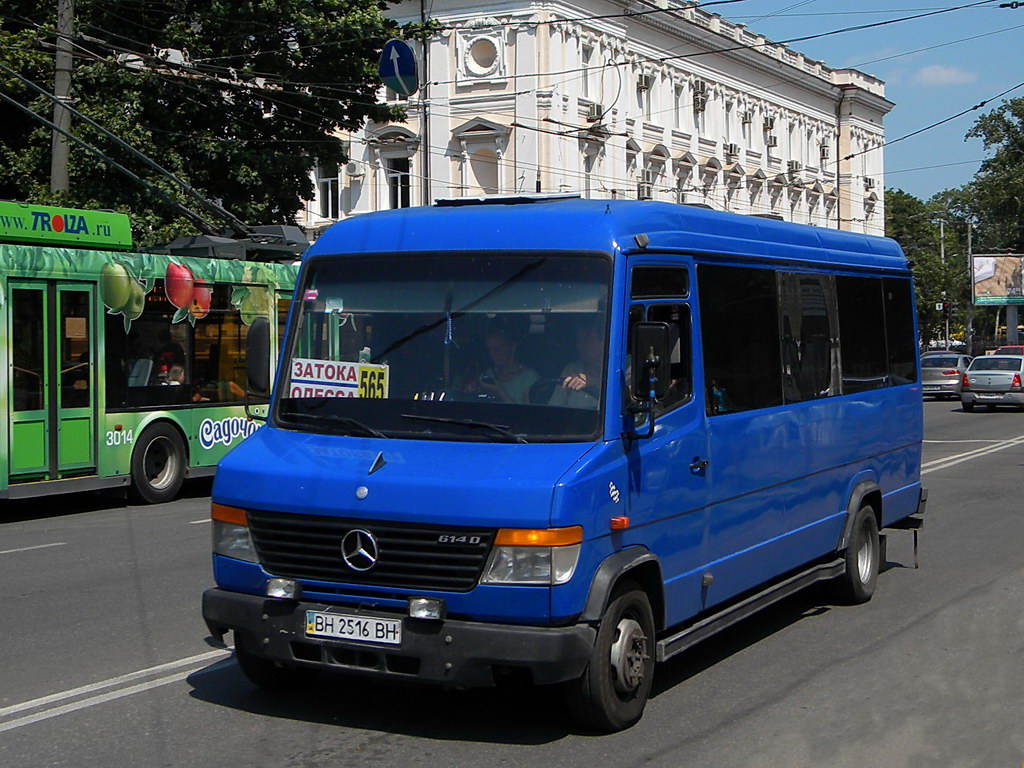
564	440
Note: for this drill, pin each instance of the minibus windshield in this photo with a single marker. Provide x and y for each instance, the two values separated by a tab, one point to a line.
468	347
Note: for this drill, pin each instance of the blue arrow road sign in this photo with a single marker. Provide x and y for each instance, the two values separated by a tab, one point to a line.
397	67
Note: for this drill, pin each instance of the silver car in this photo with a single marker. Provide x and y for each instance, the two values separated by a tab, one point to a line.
993	380
942	372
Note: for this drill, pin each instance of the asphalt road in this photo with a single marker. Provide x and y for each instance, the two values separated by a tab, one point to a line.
103	660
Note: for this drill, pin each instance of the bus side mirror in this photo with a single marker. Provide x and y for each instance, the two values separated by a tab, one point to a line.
651	361
257	358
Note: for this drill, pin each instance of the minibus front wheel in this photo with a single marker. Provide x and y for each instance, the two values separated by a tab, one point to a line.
611	693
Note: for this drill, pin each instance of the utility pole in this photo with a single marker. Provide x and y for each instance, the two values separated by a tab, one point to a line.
969	324
61	90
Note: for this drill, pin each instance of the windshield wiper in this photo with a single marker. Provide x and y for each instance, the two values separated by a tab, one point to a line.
339	420
498	428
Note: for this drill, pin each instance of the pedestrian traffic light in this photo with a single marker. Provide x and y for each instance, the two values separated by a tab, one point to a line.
945	309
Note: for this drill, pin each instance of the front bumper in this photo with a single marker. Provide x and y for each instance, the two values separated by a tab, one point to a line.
453	653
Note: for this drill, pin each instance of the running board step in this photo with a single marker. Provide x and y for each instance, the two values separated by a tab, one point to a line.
706	627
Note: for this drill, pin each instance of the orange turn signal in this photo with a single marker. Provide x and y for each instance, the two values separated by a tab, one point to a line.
226	514
619	523
545	537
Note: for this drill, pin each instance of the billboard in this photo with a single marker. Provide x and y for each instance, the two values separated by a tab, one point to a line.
998	279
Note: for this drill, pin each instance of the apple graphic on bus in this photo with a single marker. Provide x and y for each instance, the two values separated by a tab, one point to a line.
201	296
136	302
179	285
115	285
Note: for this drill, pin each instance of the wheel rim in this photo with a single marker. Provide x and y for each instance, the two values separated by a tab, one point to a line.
629	656
865	557
160	463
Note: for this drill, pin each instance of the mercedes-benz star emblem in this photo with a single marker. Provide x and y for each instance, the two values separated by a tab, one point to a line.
359	550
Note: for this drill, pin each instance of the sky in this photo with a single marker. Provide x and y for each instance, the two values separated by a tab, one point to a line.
933	68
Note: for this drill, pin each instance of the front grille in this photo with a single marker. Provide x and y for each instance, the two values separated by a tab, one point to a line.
308	547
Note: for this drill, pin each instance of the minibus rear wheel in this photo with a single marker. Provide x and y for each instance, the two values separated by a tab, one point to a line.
611	693
267	673
158	465
863	555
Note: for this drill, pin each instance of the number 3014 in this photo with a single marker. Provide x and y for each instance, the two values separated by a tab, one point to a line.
122	437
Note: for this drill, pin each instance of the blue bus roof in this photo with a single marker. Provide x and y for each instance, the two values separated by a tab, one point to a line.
602	225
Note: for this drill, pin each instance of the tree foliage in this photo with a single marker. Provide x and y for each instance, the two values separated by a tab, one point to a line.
237	98
998	188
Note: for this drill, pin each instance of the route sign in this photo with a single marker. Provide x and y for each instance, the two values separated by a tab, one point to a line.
397	67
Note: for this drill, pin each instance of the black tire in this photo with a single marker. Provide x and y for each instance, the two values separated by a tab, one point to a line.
863	559
967	406
269	674
158	465
611	693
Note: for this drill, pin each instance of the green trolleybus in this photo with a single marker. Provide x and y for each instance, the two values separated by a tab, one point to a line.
118	368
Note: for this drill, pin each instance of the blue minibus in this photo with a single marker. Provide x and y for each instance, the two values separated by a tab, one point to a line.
562	440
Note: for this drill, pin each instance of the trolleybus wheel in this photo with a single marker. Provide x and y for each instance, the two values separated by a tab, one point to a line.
158	465
863	554
612	691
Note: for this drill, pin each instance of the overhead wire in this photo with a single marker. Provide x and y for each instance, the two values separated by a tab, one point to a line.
300	109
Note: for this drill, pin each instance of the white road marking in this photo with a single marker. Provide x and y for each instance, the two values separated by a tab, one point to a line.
29	549
109	683
950	442
197	522
105	697
958	458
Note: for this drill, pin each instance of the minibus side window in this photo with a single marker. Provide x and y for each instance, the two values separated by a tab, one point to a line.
739	320
681	386
899	330
807	312
862	338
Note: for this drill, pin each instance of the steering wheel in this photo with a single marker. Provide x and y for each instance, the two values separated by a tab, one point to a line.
543	391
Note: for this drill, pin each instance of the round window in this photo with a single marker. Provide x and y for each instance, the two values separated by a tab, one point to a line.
483	55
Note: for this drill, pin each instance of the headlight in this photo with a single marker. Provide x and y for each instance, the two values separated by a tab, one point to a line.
546	557
231	533
233	541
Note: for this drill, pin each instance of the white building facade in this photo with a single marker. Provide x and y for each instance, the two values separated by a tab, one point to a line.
619	100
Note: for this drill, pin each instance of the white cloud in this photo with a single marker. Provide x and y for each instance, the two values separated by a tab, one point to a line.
936	74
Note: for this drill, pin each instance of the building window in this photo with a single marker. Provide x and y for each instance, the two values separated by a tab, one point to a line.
588	57
327	189
483	164
398	169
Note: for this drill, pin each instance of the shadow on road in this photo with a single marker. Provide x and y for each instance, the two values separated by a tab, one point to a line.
513	715
516	715
62	505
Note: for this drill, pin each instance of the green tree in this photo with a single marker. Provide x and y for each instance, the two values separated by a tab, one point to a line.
238	98
998	187
912	223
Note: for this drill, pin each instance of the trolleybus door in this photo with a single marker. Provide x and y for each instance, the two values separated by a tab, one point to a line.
53	380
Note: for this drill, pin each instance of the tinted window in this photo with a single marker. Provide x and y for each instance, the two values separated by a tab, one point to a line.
739	305
938	362
449	346
996	364
862	337
660	282
807	315
899	329
681	385
148	363
163	360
